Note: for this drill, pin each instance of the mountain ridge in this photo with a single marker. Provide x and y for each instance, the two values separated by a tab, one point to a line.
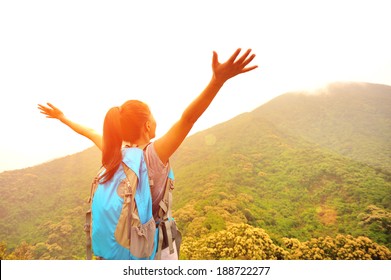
258	172
367	123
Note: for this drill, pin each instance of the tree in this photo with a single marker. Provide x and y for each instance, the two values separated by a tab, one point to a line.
376	215
23	252
238	241
343	247
242	241
3	250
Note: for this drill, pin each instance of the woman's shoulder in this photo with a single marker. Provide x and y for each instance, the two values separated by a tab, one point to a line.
152	158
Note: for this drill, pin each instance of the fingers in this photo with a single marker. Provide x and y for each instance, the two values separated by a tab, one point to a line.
234	65
42	108
234	56
243	57
47	111
248	60
244	70
51	108
215	60
51	105
244	60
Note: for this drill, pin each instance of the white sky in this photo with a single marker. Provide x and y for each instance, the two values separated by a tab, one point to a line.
86	56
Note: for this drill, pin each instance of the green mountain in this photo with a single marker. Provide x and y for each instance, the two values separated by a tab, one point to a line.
284	167
352	119
300	166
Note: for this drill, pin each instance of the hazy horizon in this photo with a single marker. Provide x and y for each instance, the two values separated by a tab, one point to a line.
86	57
89	144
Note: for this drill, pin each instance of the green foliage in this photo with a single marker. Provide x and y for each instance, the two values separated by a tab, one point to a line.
3	250
244	242
23	252
377	220
285	158
290	188
238	241
301	167
45	205
340	248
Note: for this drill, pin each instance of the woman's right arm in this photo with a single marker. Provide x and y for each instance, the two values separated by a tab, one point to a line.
53	112
222	72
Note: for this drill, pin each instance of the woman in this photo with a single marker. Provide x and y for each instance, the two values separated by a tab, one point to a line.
133	124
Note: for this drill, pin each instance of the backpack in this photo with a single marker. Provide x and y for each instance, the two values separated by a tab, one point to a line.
120	223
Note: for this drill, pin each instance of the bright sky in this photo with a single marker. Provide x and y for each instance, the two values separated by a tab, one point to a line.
86	56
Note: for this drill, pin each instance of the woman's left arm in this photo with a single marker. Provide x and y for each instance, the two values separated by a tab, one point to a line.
53	112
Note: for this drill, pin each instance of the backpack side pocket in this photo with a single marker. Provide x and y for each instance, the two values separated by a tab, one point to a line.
142	239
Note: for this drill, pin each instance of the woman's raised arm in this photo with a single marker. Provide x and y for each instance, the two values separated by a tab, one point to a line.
53	112
168	144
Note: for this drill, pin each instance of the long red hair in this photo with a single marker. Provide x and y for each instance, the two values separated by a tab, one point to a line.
124	123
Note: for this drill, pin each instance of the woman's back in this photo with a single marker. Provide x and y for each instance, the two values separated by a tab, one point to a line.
107	204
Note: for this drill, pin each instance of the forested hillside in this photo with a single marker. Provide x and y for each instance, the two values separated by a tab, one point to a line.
352	119
44	205
247	170
301	177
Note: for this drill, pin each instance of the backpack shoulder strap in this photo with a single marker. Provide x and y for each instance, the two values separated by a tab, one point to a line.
151	183
165	218
130	192
87	225
166	203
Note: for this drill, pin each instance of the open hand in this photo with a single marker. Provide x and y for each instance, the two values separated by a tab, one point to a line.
51	112
233	66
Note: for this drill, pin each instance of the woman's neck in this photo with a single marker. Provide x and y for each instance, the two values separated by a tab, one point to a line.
138	144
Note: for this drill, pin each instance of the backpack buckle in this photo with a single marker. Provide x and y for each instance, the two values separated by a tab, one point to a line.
171	184
87	227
